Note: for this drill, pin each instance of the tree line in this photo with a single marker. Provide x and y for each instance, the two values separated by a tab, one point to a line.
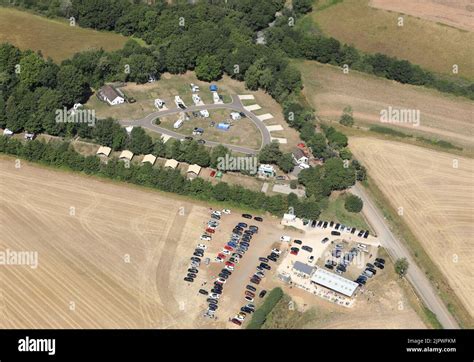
62	154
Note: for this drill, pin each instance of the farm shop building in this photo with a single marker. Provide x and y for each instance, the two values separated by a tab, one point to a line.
334	282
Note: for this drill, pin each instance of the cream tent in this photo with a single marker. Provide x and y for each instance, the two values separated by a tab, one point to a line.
171	163
104	150
149	158
196	169
126	154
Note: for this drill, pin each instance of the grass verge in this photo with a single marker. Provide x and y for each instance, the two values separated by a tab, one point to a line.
260	315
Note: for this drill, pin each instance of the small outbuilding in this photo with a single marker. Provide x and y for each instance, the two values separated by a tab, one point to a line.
194	170
171	163
149	158
126	155
111	95
104	150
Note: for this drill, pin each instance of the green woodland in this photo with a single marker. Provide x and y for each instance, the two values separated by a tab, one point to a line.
212	39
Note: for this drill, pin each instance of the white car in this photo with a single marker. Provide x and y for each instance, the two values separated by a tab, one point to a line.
214	296
202	246
221	280
205	238
260	274
216	212
226	211
229	267
225	252
276	251
285	238
218	260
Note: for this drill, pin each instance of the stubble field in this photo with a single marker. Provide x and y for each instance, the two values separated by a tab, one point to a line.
436	201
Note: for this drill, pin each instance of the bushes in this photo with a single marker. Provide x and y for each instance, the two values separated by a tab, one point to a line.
260	315
353	203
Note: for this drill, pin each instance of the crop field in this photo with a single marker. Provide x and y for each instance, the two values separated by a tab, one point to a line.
434	192
109	256
55	39
442	116
418	40
454	13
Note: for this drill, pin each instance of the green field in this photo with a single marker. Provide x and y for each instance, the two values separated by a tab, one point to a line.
335	211
54	38
373	30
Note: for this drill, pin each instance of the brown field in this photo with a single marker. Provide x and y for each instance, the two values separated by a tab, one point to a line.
441	116
437	201
454	13
54	38
82	255
418	40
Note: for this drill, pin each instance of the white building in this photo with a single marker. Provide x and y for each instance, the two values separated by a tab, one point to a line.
334	282
111	95
299	157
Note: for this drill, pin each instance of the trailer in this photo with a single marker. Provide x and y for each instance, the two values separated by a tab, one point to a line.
178	123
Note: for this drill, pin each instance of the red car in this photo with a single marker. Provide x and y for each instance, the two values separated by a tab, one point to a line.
227	247
228	263
209	230
294	251
222	256
236	321
249	294
213	173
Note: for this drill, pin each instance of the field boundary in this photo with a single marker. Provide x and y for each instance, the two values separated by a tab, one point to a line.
438	280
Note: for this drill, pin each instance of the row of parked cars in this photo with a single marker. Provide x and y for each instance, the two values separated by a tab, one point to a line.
234	249
370	271
338	228
251	289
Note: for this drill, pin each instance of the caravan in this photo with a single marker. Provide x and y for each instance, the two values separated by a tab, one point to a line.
178	123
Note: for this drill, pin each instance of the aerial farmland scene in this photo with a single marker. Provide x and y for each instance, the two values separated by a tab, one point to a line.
237	165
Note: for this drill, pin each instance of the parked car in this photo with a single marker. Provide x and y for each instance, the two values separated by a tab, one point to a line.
294	251
307	248
249	293
206	237
251	288
189	279
380	260
193	270
336	233
246	216
366	235
324	241
203	291
269	257
191	275
226	211
313	224
296	241
361	232
242	225
379	265
209	230
255	281
262	293
265	266
217	217
265	260
193	258
236	321
258	218
276	251
248	299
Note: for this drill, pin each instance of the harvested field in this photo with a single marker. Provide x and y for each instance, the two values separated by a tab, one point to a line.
418	40
84	230
442	116
437	201
54	38
458	14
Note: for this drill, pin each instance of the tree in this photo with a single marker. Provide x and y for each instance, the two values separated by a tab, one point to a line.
72	85
208	68
401	267
302	6
353	203
346	118
140	141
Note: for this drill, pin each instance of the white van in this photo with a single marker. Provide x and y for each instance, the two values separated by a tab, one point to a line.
285	238
178	123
